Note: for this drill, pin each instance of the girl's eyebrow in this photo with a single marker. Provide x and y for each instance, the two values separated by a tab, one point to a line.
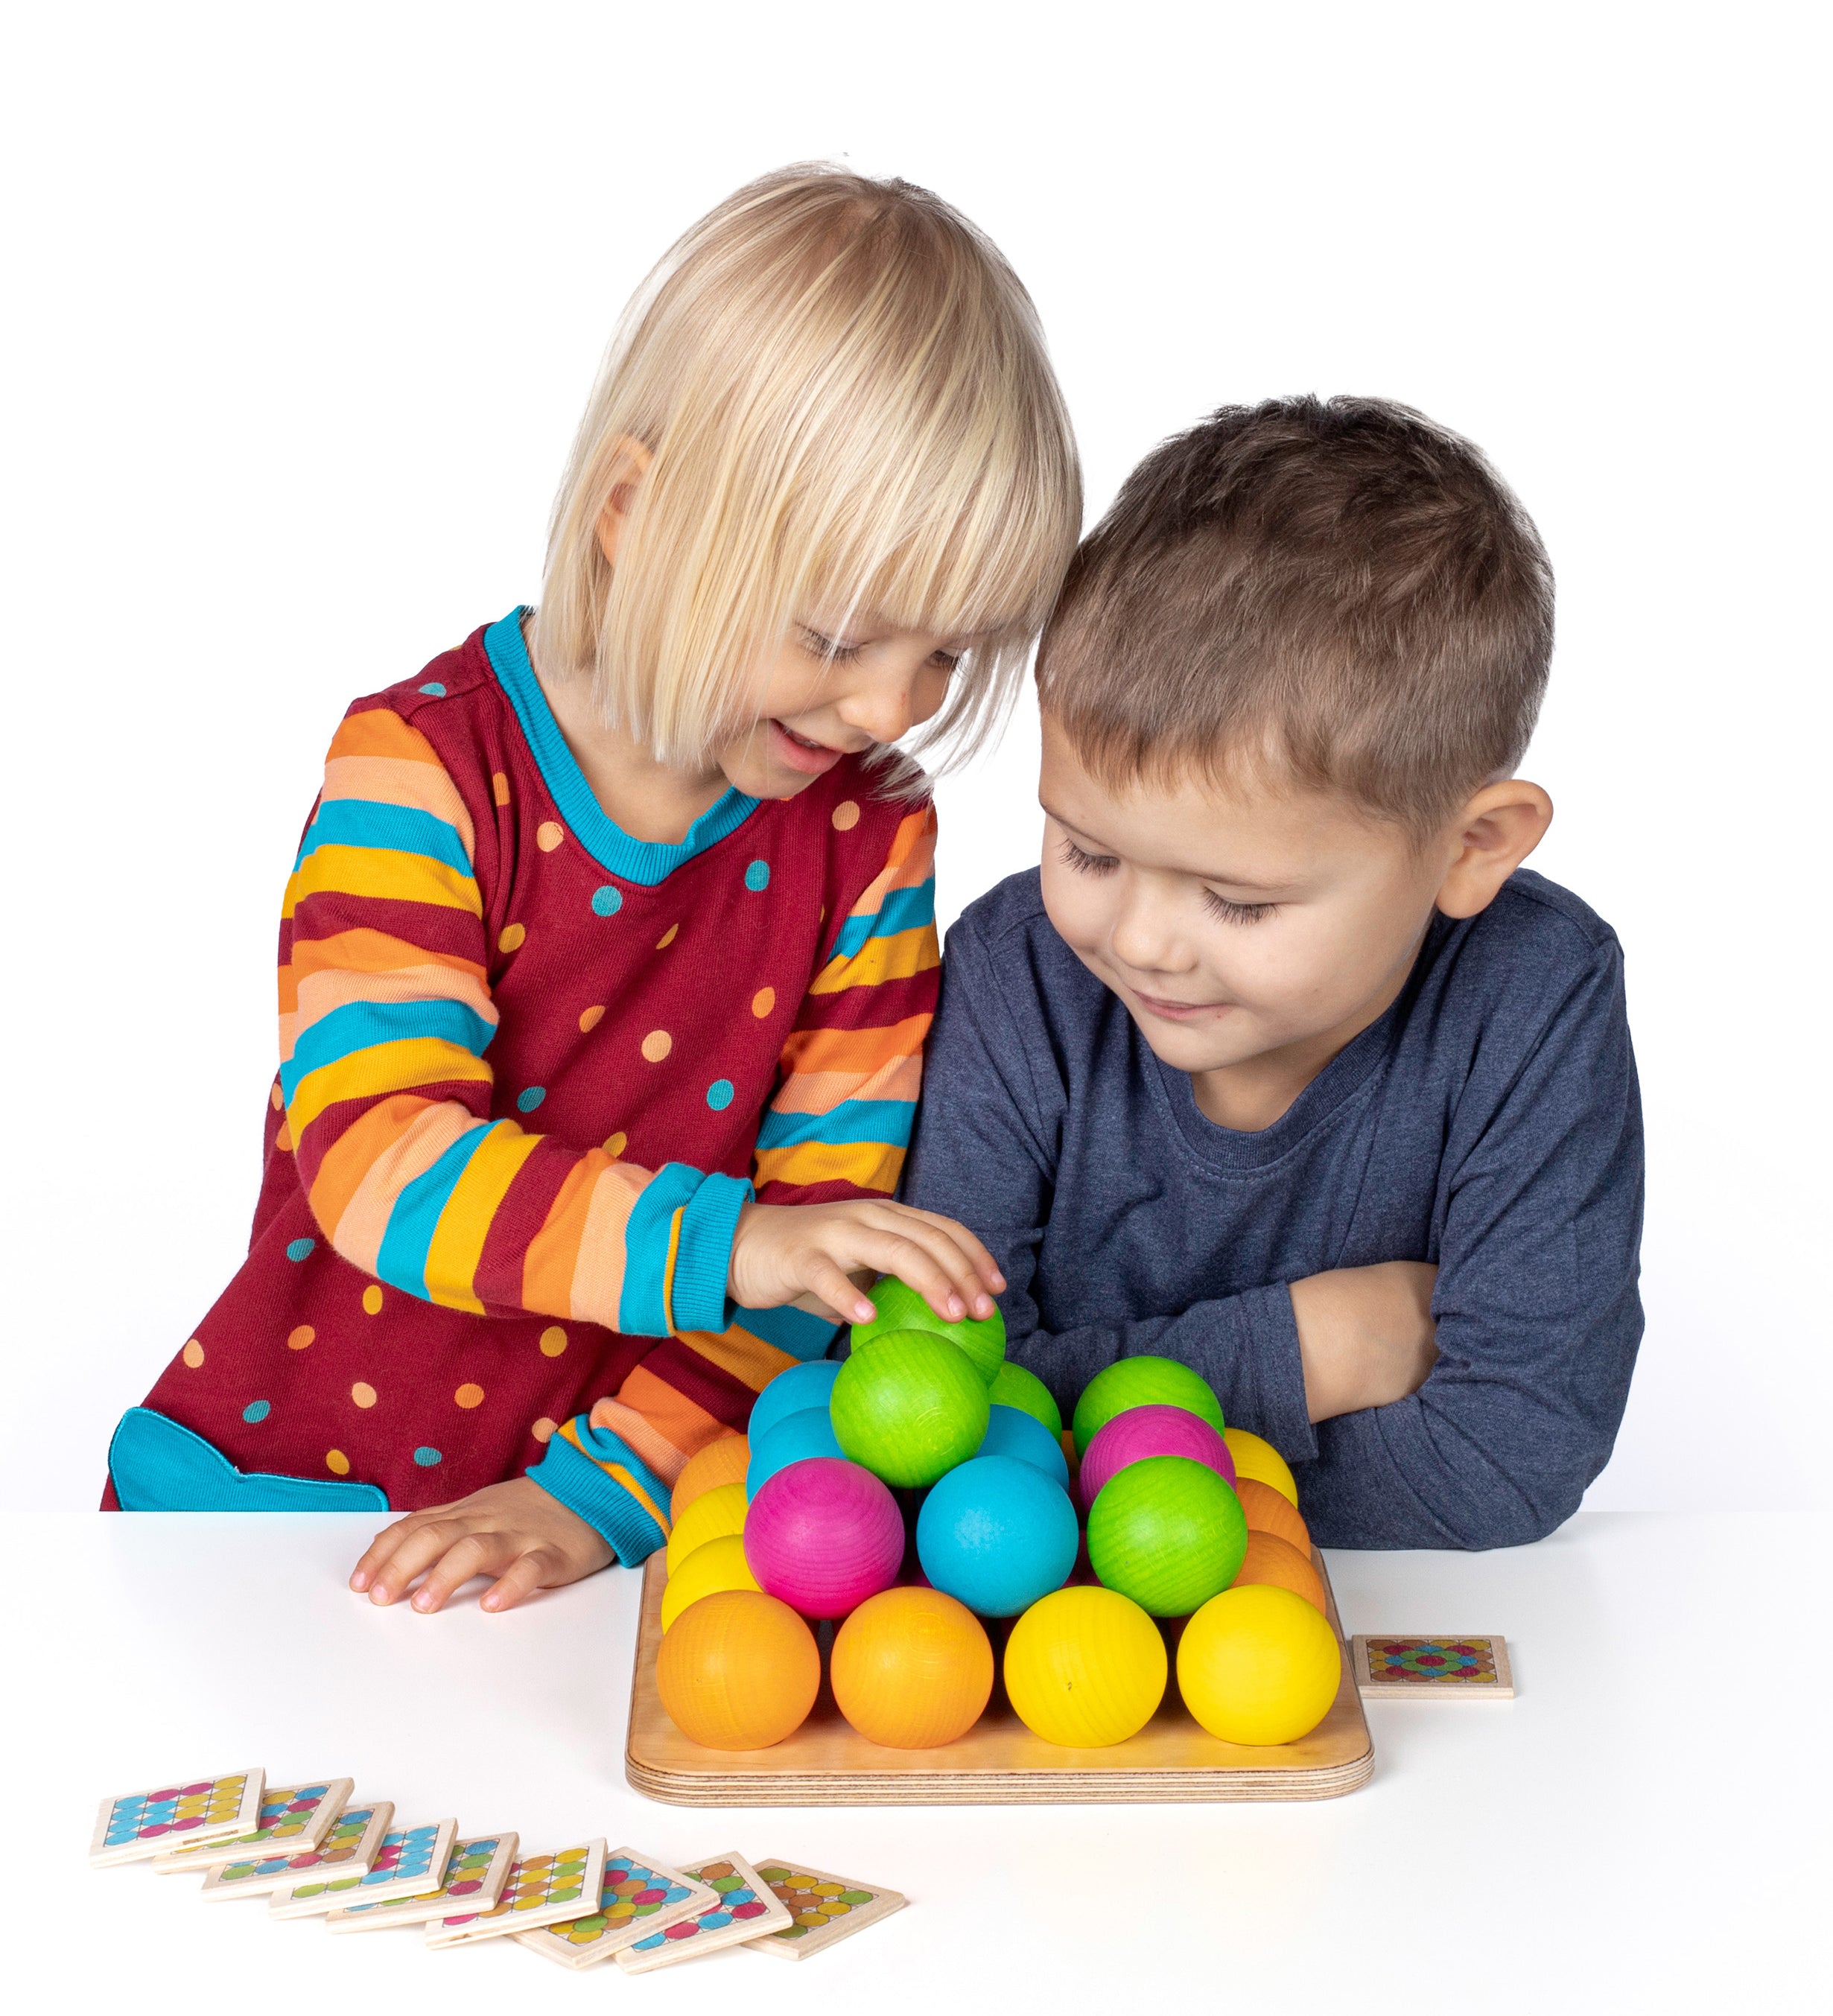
1267	889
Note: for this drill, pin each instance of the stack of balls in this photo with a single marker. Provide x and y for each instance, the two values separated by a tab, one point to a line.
925	1485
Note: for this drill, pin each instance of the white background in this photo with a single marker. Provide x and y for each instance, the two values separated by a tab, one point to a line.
305	303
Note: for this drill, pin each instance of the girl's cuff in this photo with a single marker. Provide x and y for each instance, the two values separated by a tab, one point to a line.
590	1487
703	1257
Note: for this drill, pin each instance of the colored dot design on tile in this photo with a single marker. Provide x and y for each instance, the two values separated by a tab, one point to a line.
813	1901
173	1809
758	876
256	1411
297	1249
404	1854
283	1814
340	1845
736	1903
526	1101
629	1892
719	1094
606	900
542	1882
427	1457
1461	1662
435	687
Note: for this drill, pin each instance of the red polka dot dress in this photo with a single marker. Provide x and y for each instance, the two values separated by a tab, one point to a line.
531	1070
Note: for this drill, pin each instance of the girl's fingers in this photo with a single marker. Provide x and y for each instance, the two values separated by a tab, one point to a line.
418	1548
825	1278
378	1553
979	1258
477	1554
967	1294
906	1254
538	1568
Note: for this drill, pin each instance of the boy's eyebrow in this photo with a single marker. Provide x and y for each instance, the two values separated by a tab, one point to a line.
1202	874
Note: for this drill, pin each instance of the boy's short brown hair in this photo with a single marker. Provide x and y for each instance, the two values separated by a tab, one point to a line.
1336	592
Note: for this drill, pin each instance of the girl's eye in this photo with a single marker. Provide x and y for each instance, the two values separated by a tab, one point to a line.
1084	863
947	660
1236	913
830	650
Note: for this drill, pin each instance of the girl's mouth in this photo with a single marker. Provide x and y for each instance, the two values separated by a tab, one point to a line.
796	752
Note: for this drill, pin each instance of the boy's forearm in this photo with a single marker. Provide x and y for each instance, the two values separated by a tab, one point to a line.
1366	1335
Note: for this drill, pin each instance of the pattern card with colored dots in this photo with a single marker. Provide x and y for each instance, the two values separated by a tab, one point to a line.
743	1907
293	1819
411	1862
137	1826
1432	1668
474	1877
637	1896
542	1889
349	1850
824	1910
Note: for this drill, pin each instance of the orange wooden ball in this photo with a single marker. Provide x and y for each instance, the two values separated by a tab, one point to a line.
1269	1559
722	1462
1270	1511
912	1668
738	1671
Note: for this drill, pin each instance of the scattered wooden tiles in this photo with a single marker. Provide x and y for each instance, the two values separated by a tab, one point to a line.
293	1819
638	1896
743	1908
411	1862
541	1890
823	1909
1468	1668
136	1827
475	1873
348	1851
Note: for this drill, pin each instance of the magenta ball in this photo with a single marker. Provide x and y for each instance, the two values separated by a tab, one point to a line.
1146	1432
823	1535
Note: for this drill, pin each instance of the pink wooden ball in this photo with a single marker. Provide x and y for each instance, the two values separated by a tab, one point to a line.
1146	1432
822	1535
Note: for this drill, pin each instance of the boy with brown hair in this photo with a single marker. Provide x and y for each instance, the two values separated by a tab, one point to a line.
1283	1066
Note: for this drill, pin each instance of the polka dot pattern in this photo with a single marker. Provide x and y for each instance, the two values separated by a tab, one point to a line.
764	1002
758	876
256	1411
301	1337
468	1396
512	937
719	1094
274	1099
337	1463
667	938
363	1394
607	900
846	816
427	1457
656	1045
372	1300
526	1101
500	787
283	1138
297	1249
590	1019
544	1430
436	688
173	1810
193	1353
616	1144
549	835
554	1341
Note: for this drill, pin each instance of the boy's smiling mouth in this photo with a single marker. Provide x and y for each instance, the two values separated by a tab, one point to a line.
1180	1011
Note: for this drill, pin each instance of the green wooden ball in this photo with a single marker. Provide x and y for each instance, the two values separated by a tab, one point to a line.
1142	1382
900	1307
1168	1532
1012	1386
909	1406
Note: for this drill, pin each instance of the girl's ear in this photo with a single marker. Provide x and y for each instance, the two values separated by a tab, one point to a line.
630	462
1493	835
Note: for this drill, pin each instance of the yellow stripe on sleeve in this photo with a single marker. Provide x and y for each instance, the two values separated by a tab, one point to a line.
870	1165
384	873
899	957
457	1243
402	1067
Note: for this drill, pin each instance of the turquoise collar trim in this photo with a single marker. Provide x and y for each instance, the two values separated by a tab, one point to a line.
644	861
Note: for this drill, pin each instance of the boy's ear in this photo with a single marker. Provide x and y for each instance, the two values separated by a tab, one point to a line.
630	464
1495	832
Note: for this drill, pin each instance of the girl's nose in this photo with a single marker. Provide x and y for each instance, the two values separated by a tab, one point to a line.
881	709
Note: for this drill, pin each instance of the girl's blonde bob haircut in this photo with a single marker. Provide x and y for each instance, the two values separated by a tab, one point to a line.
845	391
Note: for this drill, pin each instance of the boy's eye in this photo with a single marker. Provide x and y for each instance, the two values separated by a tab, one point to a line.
1236	913
1085	863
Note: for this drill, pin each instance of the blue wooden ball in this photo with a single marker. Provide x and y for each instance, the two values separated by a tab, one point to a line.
800	1386
794	1439
996	1534
1011	1432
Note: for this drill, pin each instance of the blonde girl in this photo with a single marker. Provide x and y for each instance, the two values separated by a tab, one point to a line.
608	956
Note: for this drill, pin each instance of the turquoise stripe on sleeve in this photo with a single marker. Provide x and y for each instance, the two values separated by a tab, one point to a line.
372	822
363	1025
902	910
600	1500
402	1261
887	1120
794	1331
642	1305
703	1261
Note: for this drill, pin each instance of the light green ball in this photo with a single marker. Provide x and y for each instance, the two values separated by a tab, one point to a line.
1168	1532
909	1406
900	1307
1142	1382
1014	1387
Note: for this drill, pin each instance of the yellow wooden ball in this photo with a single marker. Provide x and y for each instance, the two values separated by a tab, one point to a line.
1085	1667
719	1564
1256	1458
711	1517
1258	1664
740	1671
722	1462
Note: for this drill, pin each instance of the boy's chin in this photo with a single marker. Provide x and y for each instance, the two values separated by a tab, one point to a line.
1192	1048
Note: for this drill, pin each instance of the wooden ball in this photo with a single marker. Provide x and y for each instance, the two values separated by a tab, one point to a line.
1270	1511
1279	1564
1255	1457
740	1671
711	1517
720	1564
1085	1668
1258	1665
722	1462
912	1668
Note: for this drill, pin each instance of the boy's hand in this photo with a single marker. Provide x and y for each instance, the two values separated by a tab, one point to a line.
516	1532
781	1251
1366	1335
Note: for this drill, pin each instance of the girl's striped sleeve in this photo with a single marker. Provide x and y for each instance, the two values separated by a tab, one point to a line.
837	1126
386	1020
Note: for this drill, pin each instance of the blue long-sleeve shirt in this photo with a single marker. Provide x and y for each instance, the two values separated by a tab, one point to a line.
1488	1123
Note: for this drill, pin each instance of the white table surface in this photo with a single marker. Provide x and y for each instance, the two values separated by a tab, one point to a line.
1640	1829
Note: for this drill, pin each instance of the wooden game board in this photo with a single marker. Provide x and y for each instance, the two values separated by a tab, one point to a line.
998	1762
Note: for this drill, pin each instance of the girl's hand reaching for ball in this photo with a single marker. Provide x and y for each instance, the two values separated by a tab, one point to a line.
782	1251
515	1532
